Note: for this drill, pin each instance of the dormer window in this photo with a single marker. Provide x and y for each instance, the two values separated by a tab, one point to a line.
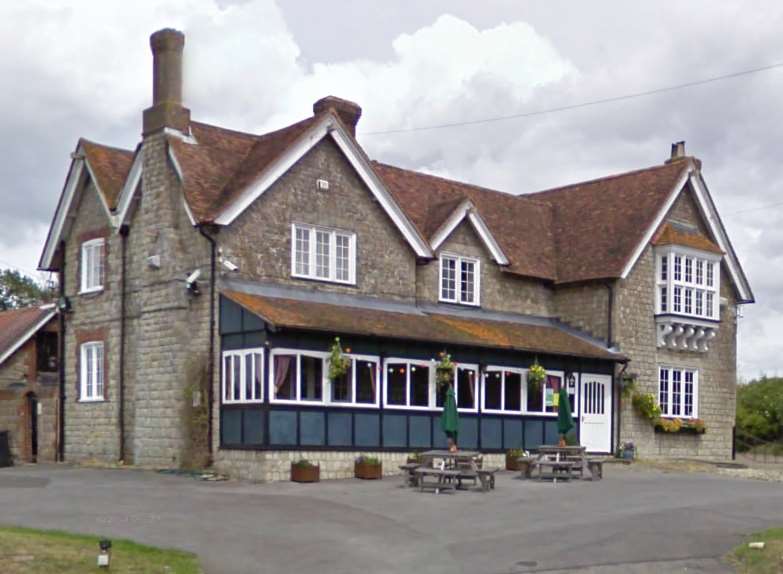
323	254
92	266
459	279
692	288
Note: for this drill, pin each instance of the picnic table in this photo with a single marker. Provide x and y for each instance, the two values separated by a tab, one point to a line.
455	467
564	461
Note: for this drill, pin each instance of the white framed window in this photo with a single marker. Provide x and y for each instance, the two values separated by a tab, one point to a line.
460	279
359	386
323	254
297	376
408	384
503	390
466	389
92	372
542	400
678	392
92	265
692	288
243	376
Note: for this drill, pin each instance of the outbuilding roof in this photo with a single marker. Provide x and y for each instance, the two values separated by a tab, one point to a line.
415	324
18	325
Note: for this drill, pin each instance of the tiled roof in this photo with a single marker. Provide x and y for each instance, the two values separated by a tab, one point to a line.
224	163
670	235
579	232
418	326
599	223
17	323
111	166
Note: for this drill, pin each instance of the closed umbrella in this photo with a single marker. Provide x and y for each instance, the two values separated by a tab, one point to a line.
564	421
449	419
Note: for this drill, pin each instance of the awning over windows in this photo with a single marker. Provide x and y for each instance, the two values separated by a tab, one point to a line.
414	323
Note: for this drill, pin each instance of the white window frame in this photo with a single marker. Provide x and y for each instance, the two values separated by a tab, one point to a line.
298	353
476	390
312	254
667	411
693	286
502	370
353	403
560	374
459	260
92	364
88	249
241	354
409	363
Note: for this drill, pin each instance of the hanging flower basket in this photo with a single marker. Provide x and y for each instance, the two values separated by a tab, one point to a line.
536	375
444	370
338	362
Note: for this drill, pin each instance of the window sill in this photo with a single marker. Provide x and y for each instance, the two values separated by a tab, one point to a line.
459	303
323	280
88	401
92	291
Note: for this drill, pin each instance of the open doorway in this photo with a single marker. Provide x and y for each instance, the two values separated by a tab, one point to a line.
32	426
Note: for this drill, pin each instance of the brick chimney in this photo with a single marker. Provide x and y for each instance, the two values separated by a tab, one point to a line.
167	110
348	112
678	154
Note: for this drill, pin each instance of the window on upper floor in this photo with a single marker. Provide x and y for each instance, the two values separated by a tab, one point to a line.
687	283
678	392
323	254
92	265
92	372
459	279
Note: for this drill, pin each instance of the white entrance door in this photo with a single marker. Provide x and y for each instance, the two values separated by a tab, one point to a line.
596	404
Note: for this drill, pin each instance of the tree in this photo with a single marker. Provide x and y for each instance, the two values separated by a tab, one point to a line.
760	409
18	290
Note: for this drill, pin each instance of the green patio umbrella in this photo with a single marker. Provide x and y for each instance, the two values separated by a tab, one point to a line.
564	421
449	419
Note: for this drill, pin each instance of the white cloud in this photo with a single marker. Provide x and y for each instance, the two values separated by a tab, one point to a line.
84	69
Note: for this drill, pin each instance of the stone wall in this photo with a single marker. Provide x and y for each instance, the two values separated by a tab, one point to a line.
635	331
275	465
500	291
259	240
584	307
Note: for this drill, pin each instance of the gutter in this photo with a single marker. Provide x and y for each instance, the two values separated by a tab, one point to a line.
61	365
211	363
124	230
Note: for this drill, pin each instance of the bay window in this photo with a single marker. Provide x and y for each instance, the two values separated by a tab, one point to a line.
678	392
503	389
465	388
459	279
243	376
692	288
323	254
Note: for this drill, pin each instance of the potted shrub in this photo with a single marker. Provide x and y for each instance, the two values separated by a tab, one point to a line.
368	468
305	471
512	458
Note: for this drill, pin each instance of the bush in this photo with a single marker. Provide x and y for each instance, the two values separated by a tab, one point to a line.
646	405
760	409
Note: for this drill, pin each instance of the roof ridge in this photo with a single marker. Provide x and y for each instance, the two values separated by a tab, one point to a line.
604	178
112	147
471	185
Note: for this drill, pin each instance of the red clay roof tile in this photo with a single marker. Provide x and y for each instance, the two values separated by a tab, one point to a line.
111	166
16	323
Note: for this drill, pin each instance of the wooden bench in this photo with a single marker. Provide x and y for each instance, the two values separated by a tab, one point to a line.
445	478
487	478
560	468
409	477
596	467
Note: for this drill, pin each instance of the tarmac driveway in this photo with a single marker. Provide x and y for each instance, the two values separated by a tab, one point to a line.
632	521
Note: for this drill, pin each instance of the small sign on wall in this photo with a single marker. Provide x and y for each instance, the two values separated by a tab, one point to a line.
40	408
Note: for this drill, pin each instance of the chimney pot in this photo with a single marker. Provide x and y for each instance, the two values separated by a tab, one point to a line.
678	152
348	112
167	111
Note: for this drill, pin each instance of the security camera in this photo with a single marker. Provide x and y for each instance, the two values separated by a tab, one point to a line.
228	265
193	276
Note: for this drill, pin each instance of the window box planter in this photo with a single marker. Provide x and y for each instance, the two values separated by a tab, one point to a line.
305	472
680	426
368	470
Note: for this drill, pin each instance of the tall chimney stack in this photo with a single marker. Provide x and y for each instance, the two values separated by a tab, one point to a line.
348	112
167	110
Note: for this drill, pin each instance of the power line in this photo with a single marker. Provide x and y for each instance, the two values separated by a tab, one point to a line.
768	206
541	112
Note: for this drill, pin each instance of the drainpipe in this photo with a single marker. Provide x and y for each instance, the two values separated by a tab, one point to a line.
61	365
609	312
124	230
211	363
620	406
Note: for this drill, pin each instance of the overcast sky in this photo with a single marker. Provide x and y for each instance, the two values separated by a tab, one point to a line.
83	68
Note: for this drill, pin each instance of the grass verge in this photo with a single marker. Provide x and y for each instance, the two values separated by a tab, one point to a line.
768	560
28	551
